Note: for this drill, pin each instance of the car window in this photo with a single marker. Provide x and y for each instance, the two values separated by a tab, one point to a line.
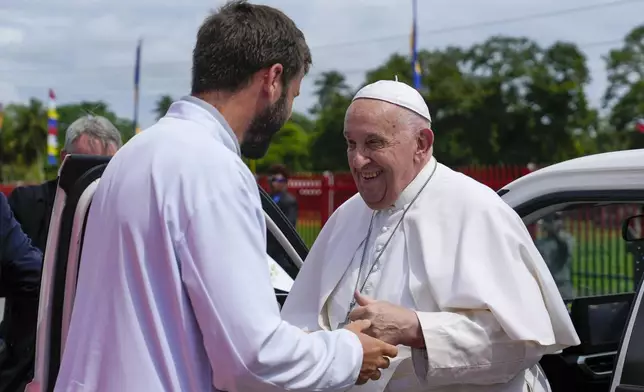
584	249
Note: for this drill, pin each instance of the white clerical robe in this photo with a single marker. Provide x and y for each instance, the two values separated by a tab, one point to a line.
465	262
174	291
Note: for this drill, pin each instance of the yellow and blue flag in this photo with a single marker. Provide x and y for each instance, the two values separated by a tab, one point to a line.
415	64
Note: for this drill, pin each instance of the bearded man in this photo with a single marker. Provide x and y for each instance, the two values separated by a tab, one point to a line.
438	263
174	290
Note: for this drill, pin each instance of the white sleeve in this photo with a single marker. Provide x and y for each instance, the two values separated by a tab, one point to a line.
470	348
224	269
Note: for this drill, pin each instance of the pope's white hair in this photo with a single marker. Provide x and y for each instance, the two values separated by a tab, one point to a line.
413	121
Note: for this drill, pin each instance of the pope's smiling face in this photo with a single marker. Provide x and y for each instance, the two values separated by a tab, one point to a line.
387	146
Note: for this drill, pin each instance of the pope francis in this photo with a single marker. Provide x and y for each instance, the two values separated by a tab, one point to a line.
438	263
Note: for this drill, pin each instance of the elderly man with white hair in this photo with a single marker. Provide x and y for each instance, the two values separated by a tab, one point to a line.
91	135
31	206
437	262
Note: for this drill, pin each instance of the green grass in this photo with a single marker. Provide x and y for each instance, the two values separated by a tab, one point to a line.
600	263
309	230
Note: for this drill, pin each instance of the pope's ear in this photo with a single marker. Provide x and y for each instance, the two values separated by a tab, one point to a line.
425	140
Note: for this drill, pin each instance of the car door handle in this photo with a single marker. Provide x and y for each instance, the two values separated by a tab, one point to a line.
596	364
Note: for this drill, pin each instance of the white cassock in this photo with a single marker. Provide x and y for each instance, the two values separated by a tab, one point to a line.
173	290
464	260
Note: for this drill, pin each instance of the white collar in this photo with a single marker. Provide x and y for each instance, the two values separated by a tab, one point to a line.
415	185
206	115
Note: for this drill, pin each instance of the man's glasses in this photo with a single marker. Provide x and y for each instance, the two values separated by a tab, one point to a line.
277	179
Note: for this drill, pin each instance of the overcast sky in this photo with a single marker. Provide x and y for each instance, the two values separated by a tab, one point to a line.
84	49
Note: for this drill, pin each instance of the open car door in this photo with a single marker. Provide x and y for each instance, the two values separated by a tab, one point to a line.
629	375
79	177
591	197
76	185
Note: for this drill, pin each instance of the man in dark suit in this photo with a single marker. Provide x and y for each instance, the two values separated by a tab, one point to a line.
20	270
278	182
32	206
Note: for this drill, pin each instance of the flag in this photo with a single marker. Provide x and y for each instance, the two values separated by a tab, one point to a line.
639	125
52	130
137	74
415	65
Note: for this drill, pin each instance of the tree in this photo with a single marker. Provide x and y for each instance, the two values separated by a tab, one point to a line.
327	87
307	124
24	136
162	105
505	100
290	146
25	139
328	146
624	95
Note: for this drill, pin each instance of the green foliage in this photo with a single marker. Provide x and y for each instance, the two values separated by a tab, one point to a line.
162	105
504	100
290	146
24	137
624	96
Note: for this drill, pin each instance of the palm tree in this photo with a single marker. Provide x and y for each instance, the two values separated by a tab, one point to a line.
327	87
162	105
28	134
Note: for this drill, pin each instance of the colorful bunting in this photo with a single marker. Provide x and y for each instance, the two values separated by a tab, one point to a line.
52	130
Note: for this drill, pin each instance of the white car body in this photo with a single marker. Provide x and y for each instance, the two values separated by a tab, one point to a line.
610	171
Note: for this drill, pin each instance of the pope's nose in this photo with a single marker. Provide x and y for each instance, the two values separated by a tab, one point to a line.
359	161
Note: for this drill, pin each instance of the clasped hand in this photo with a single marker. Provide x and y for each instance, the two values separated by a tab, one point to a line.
388	322
381	326
375	353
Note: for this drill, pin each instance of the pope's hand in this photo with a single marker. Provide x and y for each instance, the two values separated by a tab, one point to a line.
375	353
390	323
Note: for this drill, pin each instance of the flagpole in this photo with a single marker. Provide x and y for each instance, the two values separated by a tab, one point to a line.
415	65
137	74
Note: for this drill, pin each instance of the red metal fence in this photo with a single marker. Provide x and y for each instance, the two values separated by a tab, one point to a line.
319	195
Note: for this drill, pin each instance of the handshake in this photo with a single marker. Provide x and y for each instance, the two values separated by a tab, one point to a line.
376	353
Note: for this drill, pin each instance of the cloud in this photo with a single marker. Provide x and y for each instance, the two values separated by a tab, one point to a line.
84	49
8	93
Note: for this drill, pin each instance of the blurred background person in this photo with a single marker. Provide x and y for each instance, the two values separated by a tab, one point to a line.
278	183
556	248
88	135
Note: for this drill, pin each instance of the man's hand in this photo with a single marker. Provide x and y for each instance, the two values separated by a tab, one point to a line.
375	353
390	323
